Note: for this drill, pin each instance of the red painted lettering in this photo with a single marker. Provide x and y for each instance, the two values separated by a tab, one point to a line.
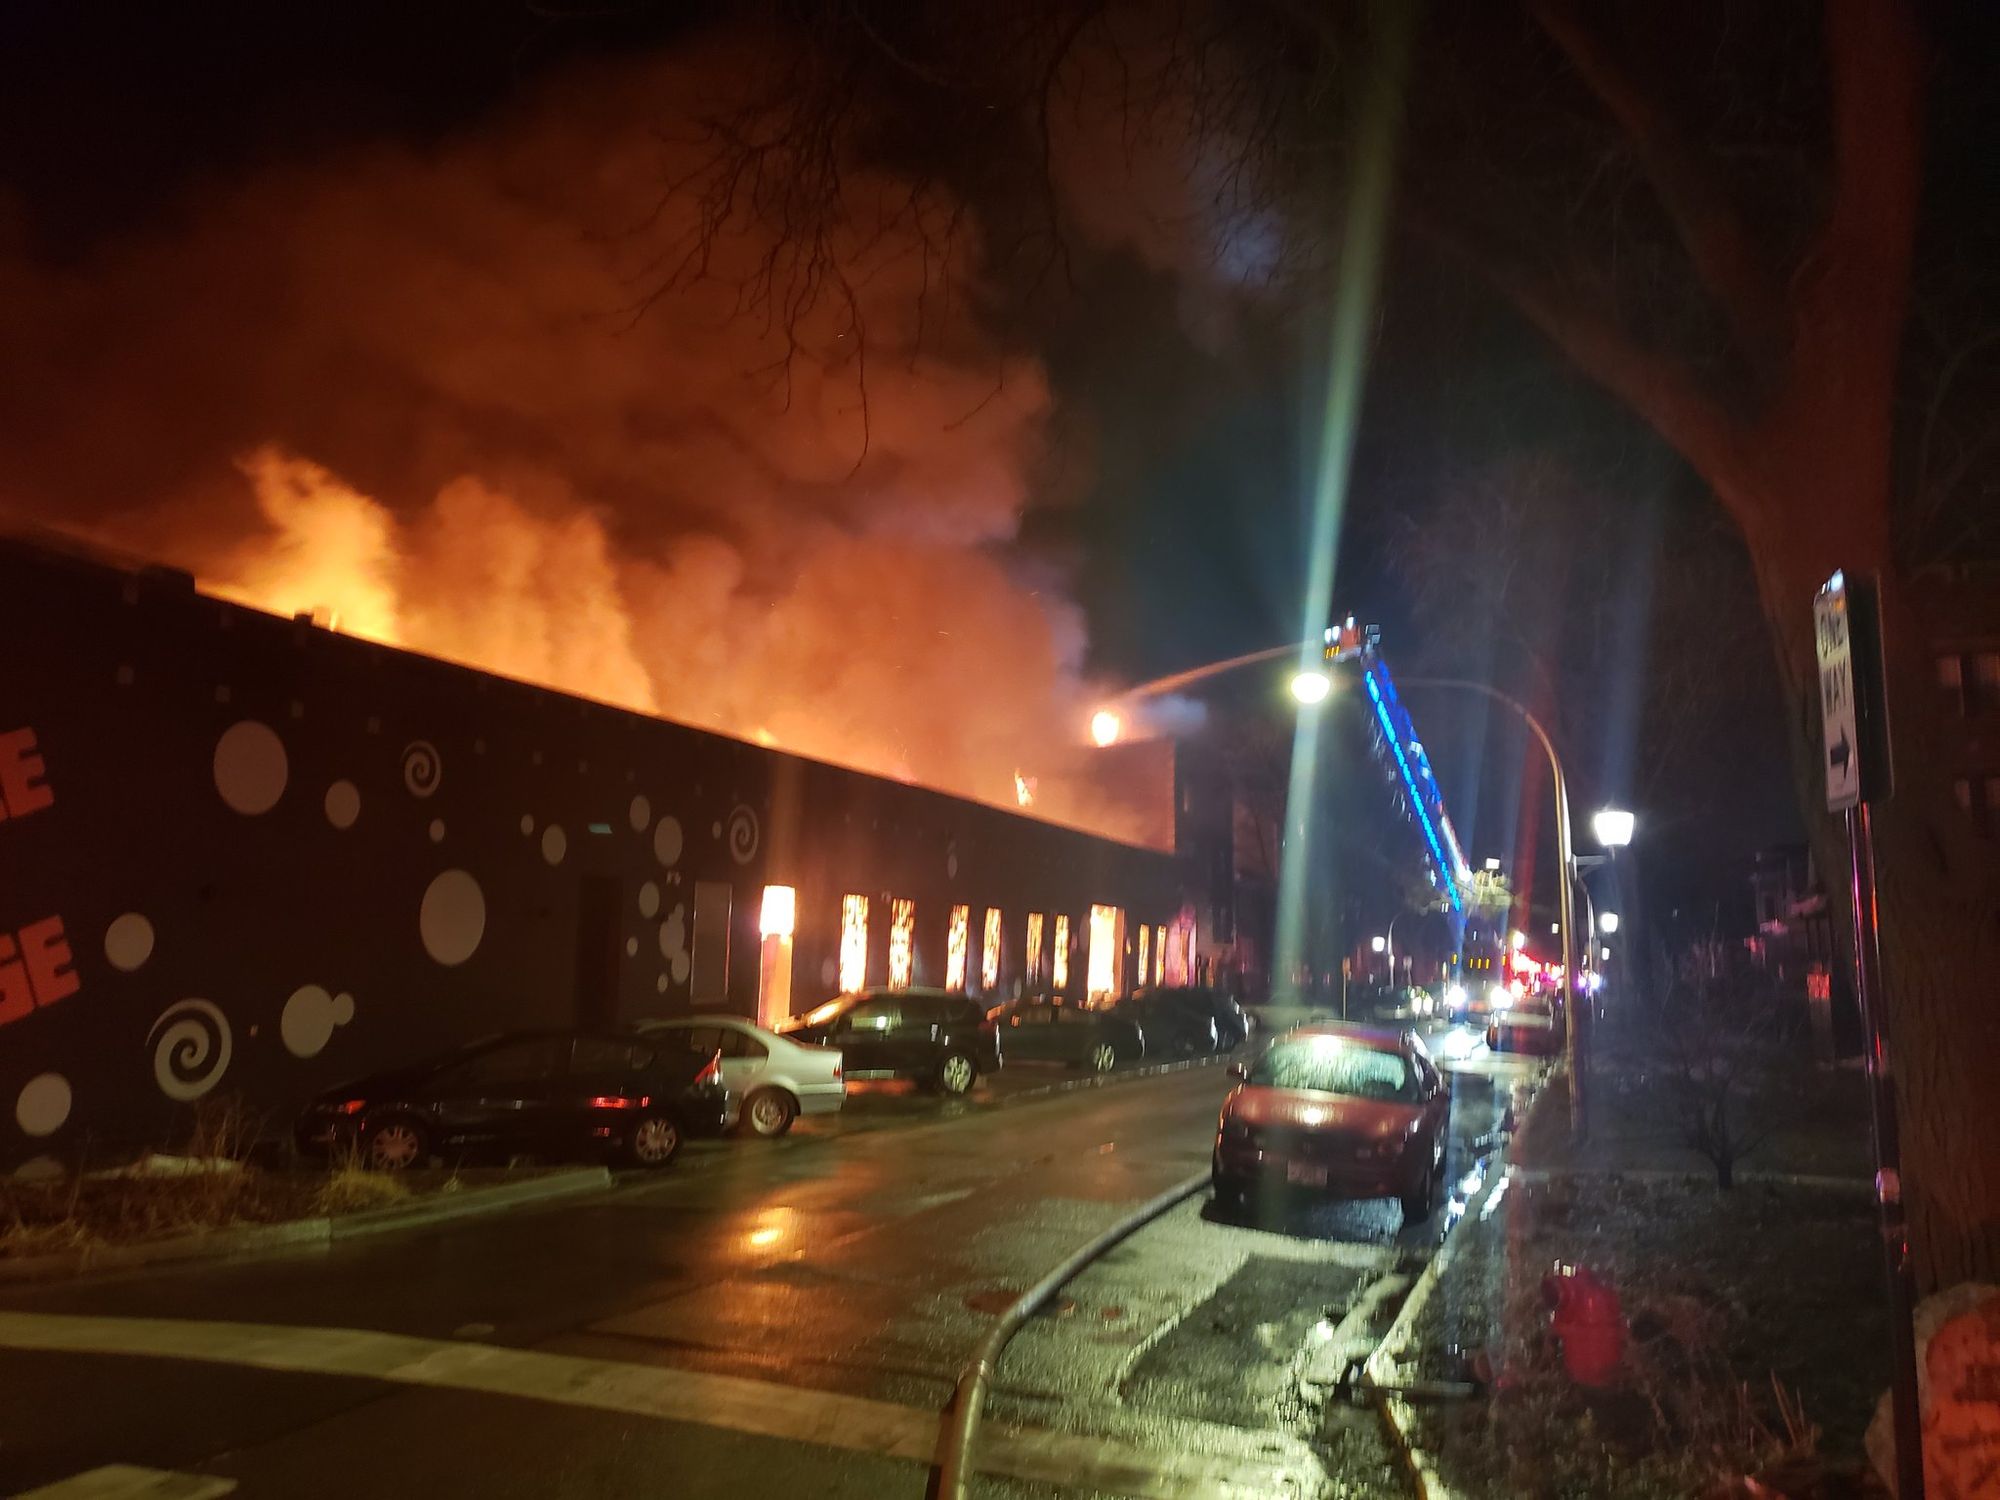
46	952
22	789
16	998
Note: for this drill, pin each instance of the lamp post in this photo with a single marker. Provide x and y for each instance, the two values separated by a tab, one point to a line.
1579	1113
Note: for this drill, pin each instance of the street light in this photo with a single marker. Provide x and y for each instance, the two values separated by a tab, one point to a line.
1311	687
1377	943
1613	827
1105	726
1608	922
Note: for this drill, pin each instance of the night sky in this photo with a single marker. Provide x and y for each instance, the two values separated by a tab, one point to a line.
1185	427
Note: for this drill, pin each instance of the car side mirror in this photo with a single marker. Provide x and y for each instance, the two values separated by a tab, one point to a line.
1239	1071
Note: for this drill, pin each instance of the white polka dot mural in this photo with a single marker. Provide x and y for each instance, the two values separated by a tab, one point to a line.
743	834
191	1047
452	919
310	1017
128	942
555	844
343	804
649	899
641	814
43	1105
250	767
422	770
437	830
667	840
527	824
631	947
38	1169
673	943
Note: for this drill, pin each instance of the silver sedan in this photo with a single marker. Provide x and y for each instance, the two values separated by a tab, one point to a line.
771	1081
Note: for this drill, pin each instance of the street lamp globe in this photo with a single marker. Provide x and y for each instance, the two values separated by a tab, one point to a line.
1518	941
1311	687
1613	827
1105	726
1608	922
1377	943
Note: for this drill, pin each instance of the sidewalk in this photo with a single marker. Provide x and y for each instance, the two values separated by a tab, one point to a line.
1728	1297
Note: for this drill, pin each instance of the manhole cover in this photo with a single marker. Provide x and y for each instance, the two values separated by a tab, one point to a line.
995	1302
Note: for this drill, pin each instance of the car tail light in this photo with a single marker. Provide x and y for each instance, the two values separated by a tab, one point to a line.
711	1071
350	1106
614	1101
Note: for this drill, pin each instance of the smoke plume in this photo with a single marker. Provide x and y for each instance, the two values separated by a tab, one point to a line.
468	398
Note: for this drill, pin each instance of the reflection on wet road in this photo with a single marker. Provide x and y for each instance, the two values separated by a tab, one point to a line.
781	1317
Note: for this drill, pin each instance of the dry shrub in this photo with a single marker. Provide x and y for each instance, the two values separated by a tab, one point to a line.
350	1187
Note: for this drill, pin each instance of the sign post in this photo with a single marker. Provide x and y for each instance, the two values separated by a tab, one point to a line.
1855	757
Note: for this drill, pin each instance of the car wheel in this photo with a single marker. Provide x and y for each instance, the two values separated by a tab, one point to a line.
396	1145
1416	1198
655	1140
1103	1058
769	1112
956	1073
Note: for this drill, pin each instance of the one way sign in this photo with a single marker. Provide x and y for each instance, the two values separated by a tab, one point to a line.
1855	756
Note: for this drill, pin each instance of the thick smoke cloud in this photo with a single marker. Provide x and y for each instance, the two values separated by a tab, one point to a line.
432	395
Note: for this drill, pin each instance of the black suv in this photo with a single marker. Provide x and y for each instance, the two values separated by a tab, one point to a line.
934	1036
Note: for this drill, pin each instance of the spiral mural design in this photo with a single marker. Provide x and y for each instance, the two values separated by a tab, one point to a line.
191	1052
743	834
422	770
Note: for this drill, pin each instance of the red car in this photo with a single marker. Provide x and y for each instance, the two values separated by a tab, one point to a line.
1336	1111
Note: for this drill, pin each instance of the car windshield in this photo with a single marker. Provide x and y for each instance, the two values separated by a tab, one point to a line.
1332	1065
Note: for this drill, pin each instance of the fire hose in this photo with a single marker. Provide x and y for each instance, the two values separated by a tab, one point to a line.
961	1419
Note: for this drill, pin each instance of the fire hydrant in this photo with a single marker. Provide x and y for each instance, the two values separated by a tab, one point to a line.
1589	1321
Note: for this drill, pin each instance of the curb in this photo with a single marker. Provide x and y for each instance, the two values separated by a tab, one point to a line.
1379	1370
249	1240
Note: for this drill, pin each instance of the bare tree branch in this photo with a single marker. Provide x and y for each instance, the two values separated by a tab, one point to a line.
1709	225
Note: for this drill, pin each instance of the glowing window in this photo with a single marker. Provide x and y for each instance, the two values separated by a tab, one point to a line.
1101	962
902	939
1160	955
781	905
955	945
1145	936
1059	974
1034	964
989	954
853	942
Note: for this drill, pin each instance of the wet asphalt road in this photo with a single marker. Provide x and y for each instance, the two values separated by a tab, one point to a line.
766	1319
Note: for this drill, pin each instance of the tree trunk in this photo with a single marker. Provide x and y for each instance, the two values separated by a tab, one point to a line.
1938	900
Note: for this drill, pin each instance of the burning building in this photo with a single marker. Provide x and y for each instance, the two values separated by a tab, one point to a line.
245	854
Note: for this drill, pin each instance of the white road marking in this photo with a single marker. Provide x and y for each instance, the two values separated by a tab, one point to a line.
129	1482
759	1407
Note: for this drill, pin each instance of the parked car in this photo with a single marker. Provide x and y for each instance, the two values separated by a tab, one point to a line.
771	1079
1528	1026
1045	1030
934	1036
1344	1111
1176	1023
1232	1021
569	1093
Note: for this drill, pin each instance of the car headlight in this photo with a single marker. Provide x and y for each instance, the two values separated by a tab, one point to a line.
1455	997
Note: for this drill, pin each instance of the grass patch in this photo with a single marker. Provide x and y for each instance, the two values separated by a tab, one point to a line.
1757	1342
210	1183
